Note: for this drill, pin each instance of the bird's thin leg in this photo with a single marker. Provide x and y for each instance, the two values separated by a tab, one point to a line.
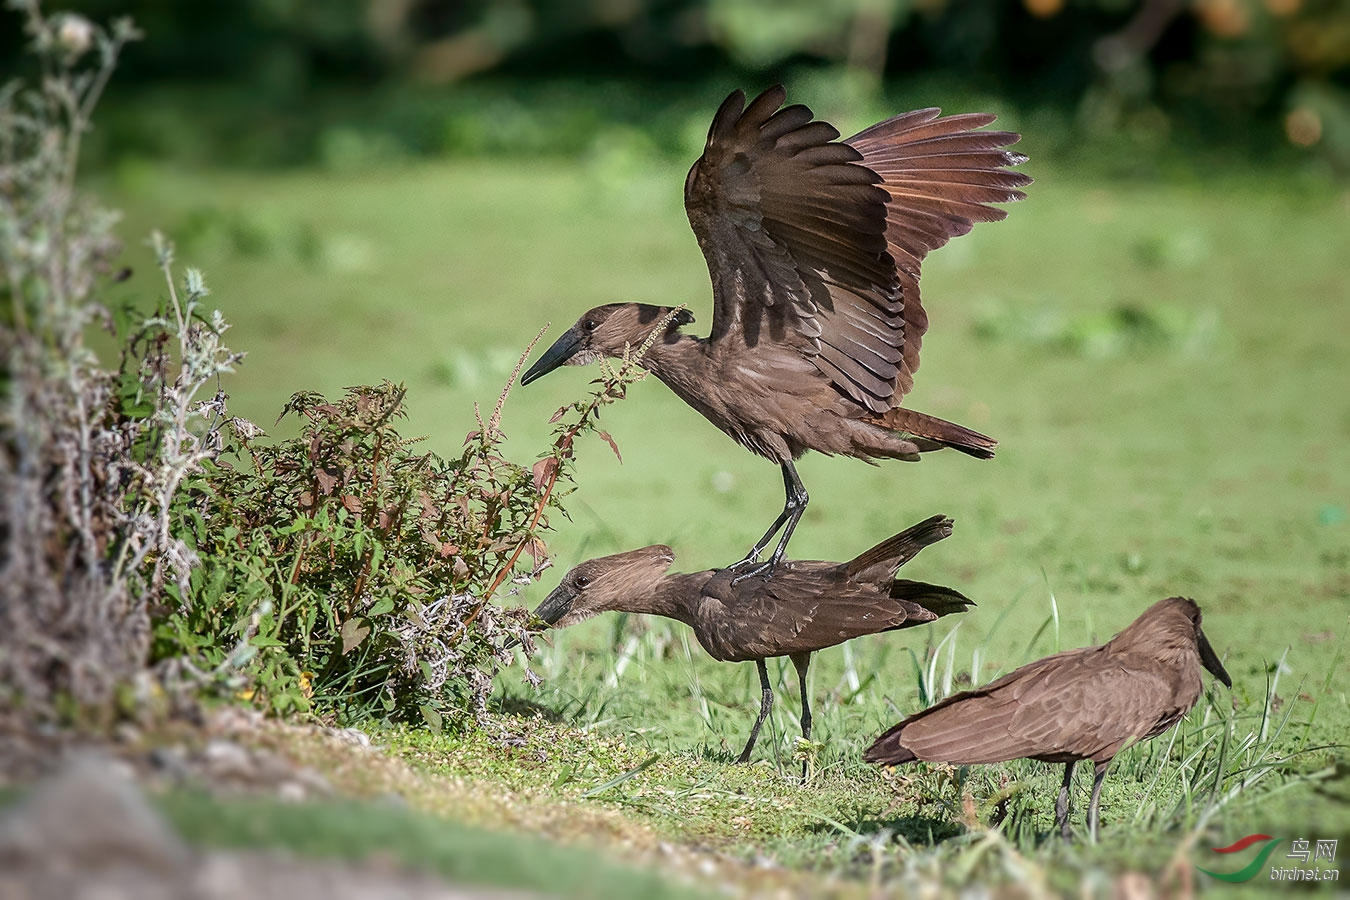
797	498
763	542
793	508
765	703
802	661
1062	802
1094	810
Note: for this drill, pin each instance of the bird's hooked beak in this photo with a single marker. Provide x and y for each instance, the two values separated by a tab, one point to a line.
1210	660
556	605
563	349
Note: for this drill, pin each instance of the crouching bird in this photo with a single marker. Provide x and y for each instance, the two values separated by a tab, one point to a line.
814	246
803	607
1076	705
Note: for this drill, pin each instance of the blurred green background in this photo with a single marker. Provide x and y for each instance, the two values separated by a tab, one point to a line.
410	189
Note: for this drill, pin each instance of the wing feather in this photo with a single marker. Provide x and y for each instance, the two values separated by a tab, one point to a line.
941	175
1080	704
817	242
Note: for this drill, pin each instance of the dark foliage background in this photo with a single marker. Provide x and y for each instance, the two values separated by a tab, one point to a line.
270	81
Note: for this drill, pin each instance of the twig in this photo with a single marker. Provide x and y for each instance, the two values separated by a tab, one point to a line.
612	389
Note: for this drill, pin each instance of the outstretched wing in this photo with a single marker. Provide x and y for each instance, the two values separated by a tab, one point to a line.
794	231
794	226
941	174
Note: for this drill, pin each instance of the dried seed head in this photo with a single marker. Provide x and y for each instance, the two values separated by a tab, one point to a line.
75	34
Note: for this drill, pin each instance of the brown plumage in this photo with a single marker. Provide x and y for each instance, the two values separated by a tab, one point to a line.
1076	705
814	245
802	607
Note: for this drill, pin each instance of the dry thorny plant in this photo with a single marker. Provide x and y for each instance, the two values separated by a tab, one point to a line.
70	626
92	461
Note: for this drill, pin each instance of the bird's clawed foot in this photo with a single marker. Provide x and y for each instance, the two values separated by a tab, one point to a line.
750	567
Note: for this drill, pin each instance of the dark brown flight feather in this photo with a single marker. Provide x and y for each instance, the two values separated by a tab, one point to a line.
1076	705
814	246
801	607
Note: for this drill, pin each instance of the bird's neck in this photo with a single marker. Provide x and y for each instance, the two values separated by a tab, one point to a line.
678	363
673	596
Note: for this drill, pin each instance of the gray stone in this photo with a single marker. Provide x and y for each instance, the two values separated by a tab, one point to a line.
89	816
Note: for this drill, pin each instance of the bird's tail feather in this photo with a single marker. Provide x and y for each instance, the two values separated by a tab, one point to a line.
938	600
887	749
898	549
939	431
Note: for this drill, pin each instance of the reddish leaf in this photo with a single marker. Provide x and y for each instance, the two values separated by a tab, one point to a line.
544	472
352	502
537	550
562	411
472	436
327	480
605	436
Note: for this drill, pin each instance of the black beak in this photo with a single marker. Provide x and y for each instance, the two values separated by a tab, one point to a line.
555	605
561	351
1210	660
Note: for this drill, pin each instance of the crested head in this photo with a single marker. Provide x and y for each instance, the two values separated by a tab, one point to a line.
607	331
605	583
1170	627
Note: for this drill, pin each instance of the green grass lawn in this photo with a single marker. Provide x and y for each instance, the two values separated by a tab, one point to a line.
1165	366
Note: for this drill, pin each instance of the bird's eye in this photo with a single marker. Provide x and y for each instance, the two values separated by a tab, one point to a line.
589	325
583	581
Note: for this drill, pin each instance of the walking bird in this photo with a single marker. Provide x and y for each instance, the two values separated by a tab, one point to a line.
814	246
801	608
1076	705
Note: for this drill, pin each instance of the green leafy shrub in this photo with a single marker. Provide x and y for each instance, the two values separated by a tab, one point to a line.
347	573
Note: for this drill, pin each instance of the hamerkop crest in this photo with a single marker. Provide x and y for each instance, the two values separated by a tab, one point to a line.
802	607
814	247
1076	705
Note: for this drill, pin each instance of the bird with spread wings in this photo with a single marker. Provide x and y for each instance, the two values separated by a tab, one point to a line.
814	246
